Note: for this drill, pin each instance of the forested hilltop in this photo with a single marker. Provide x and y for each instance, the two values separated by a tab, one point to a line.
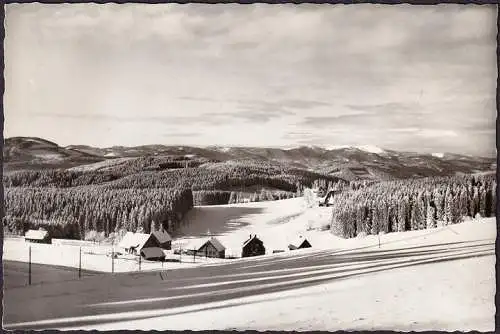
414	204
77	189
144	194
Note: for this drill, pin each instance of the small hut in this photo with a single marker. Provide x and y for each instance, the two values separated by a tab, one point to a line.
153	253
211	247
164	239
133	243
37	236
253	247
298	243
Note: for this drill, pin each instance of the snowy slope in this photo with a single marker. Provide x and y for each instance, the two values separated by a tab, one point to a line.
440	279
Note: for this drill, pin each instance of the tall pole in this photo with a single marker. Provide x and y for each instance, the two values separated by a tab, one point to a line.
379	240
29	266
140	257
113	259
80	264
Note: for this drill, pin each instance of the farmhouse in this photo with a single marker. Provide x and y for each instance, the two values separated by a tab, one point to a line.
298	243
253	247
153	253
164	239
207	247
133	243
37	236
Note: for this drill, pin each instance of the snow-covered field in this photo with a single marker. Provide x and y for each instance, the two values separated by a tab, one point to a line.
442	279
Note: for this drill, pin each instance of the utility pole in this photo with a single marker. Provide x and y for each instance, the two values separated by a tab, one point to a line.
140	262
379	240
113	258
80	264
29	266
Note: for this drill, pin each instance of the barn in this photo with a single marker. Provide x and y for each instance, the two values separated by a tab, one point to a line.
37	236
253	247
299	242
211	247
164	239
153	253
133	243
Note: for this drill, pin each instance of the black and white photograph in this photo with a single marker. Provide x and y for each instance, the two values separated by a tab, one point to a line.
285	167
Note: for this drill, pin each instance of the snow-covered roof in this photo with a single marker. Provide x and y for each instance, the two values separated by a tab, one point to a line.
136	240
36	234
152	252
162	236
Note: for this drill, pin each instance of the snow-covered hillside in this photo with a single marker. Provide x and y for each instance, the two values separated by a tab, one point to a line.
440	279
274	222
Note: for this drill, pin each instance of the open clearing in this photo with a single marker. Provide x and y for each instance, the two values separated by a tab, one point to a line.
431	279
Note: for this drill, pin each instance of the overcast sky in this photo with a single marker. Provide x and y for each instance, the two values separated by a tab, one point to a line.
417	78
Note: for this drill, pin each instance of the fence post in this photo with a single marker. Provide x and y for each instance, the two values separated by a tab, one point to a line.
140	257
80	264
29	266
113	259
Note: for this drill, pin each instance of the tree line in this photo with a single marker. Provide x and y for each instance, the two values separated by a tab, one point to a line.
218	197
71	212
212	176
414	204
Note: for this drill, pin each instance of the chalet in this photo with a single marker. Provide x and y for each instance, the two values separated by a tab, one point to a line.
211	247
153	253
253	247
298	243
133	243
37	236
164	239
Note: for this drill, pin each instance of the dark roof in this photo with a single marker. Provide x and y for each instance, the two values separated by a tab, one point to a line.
152	252
197	244
251	239
297	242
216	243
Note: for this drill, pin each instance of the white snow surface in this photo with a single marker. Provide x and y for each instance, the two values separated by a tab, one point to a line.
438	155
100	165
49	156
366	148
437	279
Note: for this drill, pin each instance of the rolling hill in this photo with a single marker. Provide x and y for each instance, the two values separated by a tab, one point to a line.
346	162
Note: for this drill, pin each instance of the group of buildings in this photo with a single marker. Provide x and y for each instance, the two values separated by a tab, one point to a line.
151	246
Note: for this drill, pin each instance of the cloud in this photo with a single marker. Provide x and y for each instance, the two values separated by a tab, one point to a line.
436	133
350	74
181	134
178	120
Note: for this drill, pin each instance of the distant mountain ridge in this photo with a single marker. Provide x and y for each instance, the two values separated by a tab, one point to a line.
348	162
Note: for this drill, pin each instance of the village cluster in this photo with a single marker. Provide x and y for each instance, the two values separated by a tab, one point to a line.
157	245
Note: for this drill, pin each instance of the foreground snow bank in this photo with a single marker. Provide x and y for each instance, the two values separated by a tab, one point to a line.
440	279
